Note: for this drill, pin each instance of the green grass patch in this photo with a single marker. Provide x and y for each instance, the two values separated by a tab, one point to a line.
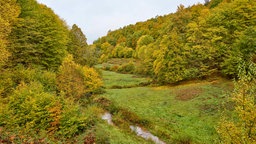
183	113
114	135
117	80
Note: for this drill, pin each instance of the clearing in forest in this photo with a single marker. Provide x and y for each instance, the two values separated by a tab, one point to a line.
187	112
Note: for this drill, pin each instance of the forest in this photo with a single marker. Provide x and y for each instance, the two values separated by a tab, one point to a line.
185	77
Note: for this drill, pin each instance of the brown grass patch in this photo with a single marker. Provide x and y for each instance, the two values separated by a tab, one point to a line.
102	101
188	94
223	84
208	108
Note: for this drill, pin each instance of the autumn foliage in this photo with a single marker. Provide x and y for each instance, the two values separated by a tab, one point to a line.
9	11
40	84
47	74
193	43
240	127
76	80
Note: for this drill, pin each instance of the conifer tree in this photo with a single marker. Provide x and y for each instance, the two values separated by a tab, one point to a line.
77	44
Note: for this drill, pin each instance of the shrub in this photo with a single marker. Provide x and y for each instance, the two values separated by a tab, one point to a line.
6	83
114	68
240	127
31	110
73	121
26	75
106	67
127	68
92	80
28	107
75	81
11	78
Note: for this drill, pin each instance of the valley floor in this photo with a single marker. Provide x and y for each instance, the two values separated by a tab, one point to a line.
185	113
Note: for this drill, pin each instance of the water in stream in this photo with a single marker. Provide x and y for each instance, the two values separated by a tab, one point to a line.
107	117
140	132
146	135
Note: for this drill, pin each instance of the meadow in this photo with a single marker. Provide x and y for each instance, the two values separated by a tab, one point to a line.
186	112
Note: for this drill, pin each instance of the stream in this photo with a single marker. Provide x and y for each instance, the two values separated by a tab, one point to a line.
108	117
138	130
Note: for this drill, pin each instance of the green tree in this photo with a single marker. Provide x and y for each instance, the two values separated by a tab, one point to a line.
240	128
226	24
203	54
77	45
171	61
39	38
76	80
195	42
244	49
106	51
91	55
146	55
142	44
145	40
32	111
214	3
9	11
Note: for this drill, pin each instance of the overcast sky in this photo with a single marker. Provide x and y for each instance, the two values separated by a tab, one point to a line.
97	17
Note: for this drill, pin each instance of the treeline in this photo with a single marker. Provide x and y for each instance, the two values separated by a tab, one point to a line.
195	42
45	75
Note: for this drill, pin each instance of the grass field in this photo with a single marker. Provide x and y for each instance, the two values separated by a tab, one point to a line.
117	136
184	113
113	79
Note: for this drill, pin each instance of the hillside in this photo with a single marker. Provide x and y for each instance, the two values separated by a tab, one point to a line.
191	56
195	42
43	76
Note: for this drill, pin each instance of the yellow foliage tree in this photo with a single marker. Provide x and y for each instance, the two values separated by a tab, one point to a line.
75	80
241	128
91	79
9	11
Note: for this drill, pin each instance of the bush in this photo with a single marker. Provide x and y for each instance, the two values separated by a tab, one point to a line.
6	84
31	110
240	127
29	107
114	68
92	80
127	68
26	75
72	121
106	67
11	78
75	81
